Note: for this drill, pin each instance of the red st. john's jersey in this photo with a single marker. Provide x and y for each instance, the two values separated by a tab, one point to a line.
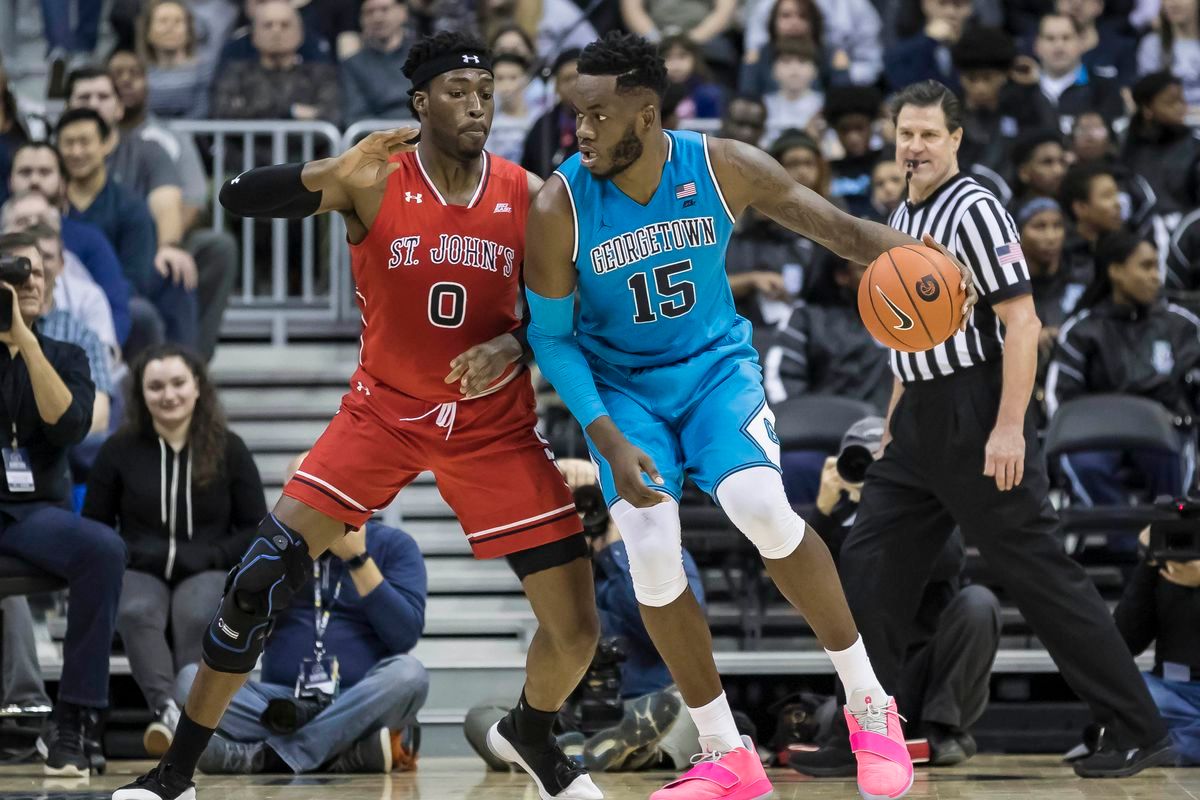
434	280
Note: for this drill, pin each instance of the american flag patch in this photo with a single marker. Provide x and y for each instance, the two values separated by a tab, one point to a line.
685	190
1009	254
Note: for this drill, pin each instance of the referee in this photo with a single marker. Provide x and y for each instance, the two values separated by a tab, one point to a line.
961	449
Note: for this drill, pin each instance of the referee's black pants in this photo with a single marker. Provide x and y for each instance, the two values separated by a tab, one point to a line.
930	478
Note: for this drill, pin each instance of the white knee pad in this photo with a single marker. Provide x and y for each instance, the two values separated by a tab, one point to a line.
756	504
651	537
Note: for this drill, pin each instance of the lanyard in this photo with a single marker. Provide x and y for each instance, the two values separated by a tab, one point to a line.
321	623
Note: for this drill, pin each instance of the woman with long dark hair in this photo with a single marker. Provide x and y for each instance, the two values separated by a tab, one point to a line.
184	493
1126	339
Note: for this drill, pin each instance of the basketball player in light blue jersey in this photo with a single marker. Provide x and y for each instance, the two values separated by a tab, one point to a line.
659	371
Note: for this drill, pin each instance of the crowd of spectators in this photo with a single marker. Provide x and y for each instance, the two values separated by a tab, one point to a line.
1079	114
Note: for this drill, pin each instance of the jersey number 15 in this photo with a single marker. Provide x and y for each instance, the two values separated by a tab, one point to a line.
676	297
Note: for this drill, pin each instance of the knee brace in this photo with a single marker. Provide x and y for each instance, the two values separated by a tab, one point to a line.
757	505
652	541
275	567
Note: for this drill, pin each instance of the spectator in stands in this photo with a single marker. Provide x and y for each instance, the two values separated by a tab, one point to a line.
73	288
67	44
180	81
1091	138
1175	47
365	607
952	641
850	111
705	22
887	189
1126	339
12	131
926	55
1040	161
799	98
701	97
278	83
845	31
1107	50
1042	227
995	109
551	140
48	396
788	22
745	119
38	167
1091	200
372	84
335	24
511	39
555	25
241	46
184	493
513	117
214	19
144	168
1066	81
122	217
1092	141
768	265
1161	607
60	324
1161	147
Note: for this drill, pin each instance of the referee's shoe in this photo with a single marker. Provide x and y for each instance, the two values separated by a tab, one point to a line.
1109	760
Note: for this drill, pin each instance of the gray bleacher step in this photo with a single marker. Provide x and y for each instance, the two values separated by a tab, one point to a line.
296	365
467	575
479	616
254	403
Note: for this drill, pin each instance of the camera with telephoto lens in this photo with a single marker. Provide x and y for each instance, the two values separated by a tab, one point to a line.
286	715
589	502
1177	539
14	270
853	461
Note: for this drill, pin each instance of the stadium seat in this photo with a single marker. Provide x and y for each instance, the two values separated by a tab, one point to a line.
818	422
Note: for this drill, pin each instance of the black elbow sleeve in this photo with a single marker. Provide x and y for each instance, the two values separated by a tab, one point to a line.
275	191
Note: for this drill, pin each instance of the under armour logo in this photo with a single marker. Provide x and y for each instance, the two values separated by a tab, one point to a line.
361	388
409	197
470	59
237	179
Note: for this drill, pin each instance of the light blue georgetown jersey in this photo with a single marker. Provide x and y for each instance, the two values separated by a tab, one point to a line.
652	281
671	359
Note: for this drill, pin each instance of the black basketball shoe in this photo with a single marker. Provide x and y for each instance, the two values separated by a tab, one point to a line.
557	776
160	783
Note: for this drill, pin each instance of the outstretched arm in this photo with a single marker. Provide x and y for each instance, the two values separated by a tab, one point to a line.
550	279
750	177
294	191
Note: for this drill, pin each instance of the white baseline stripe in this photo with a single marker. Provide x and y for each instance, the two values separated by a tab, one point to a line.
521	521
333	489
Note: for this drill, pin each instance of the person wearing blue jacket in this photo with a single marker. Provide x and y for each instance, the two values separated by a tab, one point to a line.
365	608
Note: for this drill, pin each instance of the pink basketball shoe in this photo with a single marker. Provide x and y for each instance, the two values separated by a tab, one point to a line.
735	775
885	770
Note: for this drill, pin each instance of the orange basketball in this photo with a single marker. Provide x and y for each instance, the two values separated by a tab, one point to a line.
910	299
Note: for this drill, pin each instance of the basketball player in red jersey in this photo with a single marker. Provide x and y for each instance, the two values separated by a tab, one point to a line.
436	230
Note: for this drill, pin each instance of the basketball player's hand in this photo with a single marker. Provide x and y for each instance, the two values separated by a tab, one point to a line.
1004	456
967	284
366	164
628	463
577	472
177	266
478	368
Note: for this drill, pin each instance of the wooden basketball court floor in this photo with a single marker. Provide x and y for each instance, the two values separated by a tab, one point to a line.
983	778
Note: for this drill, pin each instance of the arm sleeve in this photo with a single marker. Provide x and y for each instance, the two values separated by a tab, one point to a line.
247	504
552	338
273	191
103	497
1066	378
1136	614
986	240
396	608
72	367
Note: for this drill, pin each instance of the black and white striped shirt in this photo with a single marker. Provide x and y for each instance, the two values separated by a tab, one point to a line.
971	222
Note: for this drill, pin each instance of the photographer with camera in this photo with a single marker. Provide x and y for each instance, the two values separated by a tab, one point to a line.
339	691
1161	606
46	396
955	633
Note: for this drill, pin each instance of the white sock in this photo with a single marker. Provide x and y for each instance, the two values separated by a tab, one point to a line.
714	722
854	668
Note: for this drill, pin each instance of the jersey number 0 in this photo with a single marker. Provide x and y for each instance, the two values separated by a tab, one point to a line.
677	297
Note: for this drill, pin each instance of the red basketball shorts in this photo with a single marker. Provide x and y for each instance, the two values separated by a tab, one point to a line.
491	466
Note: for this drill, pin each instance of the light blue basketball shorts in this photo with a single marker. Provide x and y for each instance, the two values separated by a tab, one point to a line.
705	417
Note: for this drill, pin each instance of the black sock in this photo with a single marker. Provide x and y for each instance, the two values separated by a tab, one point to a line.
533	726
188	745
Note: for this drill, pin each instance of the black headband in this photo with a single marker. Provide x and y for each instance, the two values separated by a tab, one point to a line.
448	62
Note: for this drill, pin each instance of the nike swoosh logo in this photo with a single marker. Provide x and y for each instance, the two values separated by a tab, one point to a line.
905	320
